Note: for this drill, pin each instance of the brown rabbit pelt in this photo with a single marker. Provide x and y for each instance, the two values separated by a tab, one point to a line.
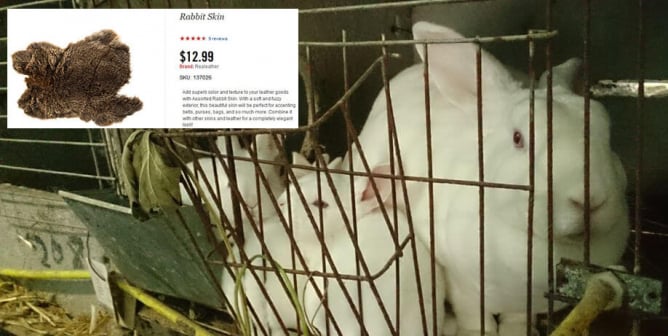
81	80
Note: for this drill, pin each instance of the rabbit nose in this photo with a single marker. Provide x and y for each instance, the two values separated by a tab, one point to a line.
594	204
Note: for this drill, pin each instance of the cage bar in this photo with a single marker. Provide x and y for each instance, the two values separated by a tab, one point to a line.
481	189
430	176
550	176
58	172
640	138
532	184
587	121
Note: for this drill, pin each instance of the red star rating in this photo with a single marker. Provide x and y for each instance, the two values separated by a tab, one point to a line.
193	38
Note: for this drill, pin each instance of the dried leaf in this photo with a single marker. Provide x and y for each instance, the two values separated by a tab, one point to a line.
128	176
152	182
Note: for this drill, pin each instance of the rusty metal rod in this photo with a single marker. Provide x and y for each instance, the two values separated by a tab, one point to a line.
587	121
31	3
395	235
90	143
534	35
345	109
366	278
430	187
550	176
481	189
395	4
640	105
56	172
532	184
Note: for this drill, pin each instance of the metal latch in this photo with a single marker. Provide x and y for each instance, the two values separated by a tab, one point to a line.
629	88
643	295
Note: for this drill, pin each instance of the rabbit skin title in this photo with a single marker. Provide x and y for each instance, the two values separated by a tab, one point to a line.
202	16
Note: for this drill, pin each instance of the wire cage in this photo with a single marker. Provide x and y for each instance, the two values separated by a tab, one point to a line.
341	181
337	227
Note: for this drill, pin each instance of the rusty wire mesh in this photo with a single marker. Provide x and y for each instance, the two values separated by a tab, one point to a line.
232	221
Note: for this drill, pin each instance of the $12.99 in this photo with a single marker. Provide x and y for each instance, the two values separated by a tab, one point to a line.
196	56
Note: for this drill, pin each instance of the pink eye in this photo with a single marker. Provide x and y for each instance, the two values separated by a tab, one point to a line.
320	204
517	139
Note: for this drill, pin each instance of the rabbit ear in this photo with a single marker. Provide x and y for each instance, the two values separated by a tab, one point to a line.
452	66
221	142
299	159
265	147
316	162
266	140
568	75
335	164
367	199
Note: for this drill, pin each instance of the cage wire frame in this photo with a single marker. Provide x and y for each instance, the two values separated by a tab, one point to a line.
233	223
530	38
321	161
352	140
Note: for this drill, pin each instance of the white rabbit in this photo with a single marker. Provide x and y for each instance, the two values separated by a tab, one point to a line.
278	243
376	248
506	142
283	314
247	180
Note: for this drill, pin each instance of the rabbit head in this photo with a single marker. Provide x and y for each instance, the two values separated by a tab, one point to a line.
373	241
507	140
320	198
267	148
247	178
458	93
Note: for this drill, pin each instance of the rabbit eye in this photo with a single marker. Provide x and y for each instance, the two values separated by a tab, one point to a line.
517	139
320	204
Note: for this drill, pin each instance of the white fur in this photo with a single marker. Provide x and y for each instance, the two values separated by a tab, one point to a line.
505	104
276	235
263	216
376	248
278	243
247	179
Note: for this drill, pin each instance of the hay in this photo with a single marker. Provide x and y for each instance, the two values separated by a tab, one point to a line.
35	313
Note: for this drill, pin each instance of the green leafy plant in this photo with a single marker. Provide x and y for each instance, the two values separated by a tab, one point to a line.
241	309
